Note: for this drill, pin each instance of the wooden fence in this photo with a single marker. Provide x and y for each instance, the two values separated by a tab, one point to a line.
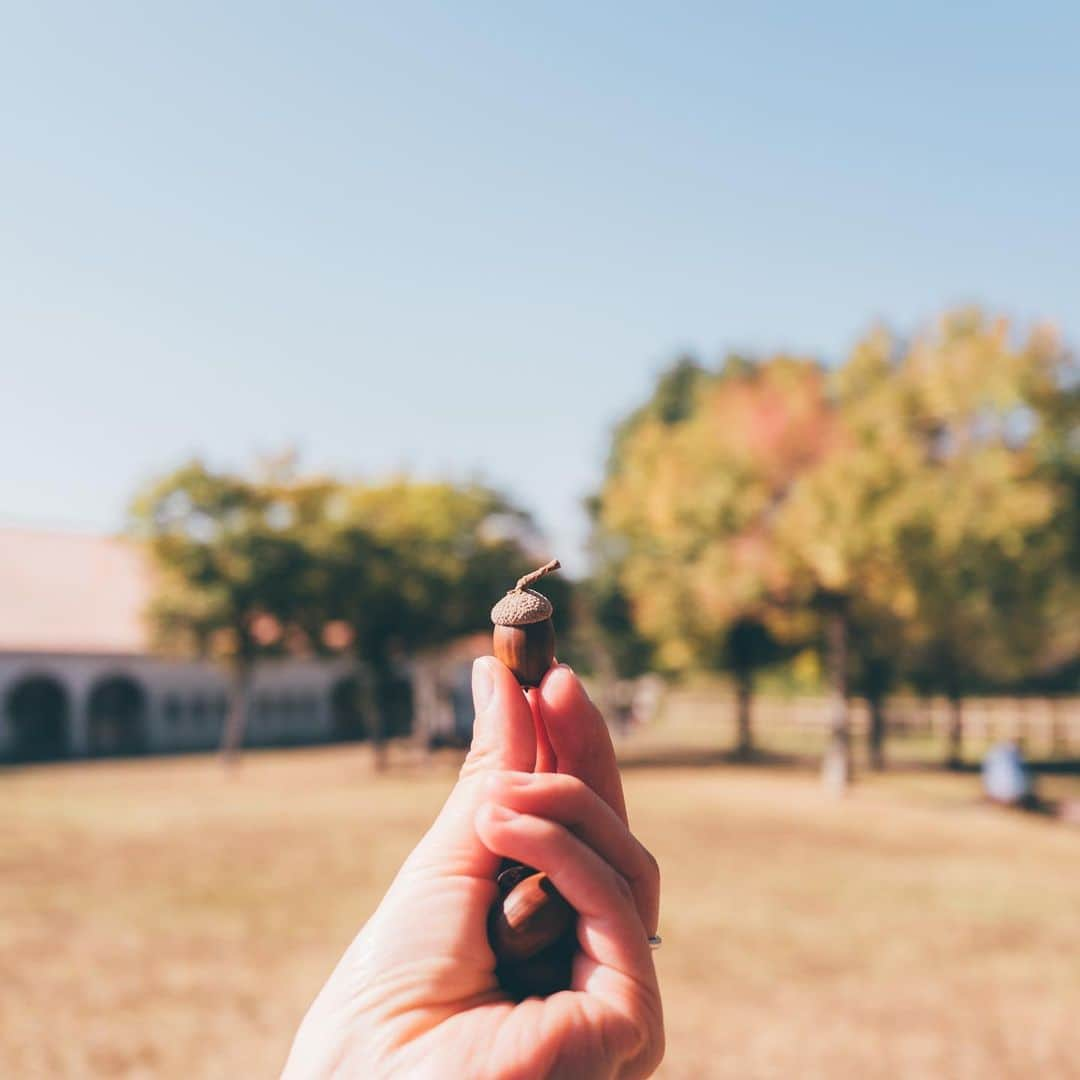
1043	725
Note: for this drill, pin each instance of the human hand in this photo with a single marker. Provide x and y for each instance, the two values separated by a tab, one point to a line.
416	994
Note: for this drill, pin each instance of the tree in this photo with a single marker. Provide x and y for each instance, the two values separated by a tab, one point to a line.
673	400
985	535
875	668
227	573
835	538
688	506
749	646
285	562
407	565
604	641
928	537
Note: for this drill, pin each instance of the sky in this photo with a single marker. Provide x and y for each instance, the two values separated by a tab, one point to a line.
461	240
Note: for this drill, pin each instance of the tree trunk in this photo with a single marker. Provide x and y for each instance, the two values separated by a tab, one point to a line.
877	731
429	702
955	755
369	682
744	693
836	771
1057	729
232	735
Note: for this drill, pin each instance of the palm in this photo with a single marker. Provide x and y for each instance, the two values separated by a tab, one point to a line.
549	1037
462	1010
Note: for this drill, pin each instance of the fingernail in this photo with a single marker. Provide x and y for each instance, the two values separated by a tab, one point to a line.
483	684
578	685
557	668
500	813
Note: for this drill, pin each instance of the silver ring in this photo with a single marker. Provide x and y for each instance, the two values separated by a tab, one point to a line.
655	941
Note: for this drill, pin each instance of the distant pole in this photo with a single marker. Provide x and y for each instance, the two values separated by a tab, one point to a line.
232	740
955	757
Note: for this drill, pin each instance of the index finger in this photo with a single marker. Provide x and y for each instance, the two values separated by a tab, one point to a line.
579	737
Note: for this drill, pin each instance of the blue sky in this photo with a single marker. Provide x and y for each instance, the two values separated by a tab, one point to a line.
461	239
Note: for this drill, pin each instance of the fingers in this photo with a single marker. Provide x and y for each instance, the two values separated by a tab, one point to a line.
579	736
610	931
570	802
504	736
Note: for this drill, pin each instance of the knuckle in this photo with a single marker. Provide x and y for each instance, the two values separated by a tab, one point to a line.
652	866
573	787
561	789
548	831
622	887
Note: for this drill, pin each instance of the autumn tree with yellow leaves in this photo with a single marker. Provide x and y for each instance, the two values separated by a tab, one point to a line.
688	508
914	510
984	525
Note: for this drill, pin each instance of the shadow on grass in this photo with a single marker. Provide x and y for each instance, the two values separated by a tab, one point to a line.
1054	767
682	757
1058	767
689	757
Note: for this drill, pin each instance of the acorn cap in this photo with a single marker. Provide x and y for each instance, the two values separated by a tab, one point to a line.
520	607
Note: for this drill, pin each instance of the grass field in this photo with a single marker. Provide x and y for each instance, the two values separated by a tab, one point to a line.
158	918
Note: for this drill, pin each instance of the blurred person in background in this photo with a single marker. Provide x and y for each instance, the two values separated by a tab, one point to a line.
416	993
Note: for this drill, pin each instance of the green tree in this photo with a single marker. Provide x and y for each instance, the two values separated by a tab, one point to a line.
408	565
985	535
227	573
256	567
929	537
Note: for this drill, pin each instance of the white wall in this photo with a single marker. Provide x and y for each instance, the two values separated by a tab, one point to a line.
290	698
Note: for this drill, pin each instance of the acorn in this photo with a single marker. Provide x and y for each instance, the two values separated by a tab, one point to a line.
532	934
532	915
524	637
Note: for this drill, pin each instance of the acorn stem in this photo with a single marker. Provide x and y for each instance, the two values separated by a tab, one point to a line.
536	575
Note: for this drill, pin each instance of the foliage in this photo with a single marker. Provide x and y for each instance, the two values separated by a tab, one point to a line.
253	566
409	565
692	501
226	569
977	523
921	501
673	400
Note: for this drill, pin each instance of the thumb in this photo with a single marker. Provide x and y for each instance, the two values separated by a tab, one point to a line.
503	733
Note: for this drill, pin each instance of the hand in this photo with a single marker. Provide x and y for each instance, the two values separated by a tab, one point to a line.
415	994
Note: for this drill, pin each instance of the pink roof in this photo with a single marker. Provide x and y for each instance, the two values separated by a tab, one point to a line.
70	592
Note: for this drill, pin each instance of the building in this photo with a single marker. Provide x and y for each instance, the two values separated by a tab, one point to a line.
78	677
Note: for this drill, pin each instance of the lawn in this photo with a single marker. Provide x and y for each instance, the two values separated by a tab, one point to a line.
159	918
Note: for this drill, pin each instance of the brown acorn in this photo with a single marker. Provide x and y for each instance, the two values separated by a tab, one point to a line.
524	637
531	916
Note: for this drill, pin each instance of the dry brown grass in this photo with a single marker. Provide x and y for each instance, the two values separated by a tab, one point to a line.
160	919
